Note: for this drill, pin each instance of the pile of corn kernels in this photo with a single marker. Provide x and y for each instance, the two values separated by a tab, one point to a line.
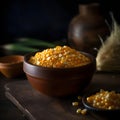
79	109
105	100
59	57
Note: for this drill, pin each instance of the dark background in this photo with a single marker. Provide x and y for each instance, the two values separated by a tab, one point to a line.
44	19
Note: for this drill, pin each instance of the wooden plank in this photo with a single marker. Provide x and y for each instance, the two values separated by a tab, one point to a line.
37	106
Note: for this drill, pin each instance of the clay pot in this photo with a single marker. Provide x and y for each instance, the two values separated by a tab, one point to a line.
86	28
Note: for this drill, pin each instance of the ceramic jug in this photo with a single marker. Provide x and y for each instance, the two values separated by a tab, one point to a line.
88	28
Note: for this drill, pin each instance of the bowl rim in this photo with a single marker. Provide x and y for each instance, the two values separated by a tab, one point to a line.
9	63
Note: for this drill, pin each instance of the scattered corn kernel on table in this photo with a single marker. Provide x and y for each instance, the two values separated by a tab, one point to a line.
18	100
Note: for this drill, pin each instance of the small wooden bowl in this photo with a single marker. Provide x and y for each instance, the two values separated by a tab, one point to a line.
59	81
11	66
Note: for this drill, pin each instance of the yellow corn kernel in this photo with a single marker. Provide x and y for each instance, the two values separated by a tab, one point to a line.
78	111
75	103
83	111
79	97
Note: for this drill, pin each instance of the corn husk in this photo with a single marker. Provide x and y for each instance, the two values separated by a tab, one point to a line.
108	56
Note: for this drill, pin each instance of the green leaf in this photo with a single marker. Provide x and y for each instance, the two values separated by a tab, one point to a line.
35	42
19	47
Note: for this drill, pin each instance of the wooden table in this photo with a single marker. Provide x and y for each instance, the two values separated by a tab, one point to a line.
26	103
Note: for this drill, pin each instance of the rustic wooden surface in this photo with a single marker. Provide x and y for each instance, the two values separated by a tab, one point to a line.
36	106
8	111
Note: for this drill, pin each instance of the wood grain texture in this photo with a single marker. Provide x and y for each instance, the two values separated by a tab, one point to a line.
37	106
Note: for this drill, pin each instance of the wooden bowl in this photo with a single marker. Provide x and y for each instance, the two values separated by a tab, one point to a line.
11	66
59	81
